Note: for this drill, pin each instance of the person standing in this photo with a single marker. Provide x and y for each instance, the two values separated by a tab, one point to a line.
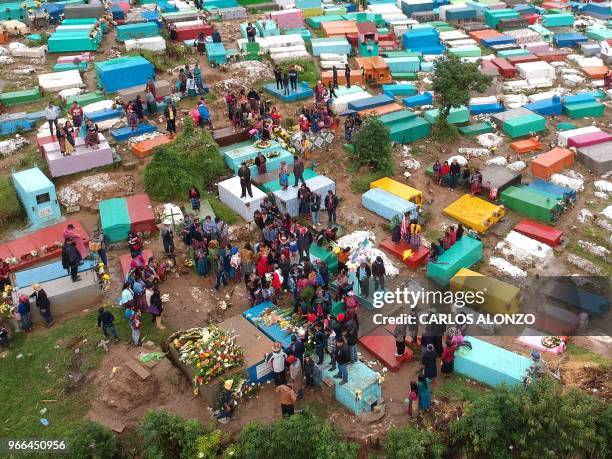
429	362
71	259
424	393
331	204
260	162
352	335
315	205
156	307
287	399
221	275
245	180
455	172
295	373
97	244
25	313
334	78
135	242
167	236
298	171
278	76
399	332
448	358
150	87
197	77
293	77
170	115
106	320
42	302
52	115
151	103
320	339
71	233
363	276
304	241
250	32
77	115
342	358
379	272
276	360
347	75
412	398
135	325
227	403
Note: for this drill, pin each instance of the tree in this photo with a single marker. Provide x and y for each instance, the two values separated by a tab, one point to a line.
373	146
452	82
192	159
534	421
409	442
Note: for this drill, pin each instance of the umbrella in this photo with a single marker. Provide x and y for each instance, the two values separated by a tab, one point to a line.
348	112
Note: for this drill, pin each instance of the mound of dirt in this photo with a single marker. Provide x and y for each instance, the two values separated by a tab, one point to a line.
123	390
594	380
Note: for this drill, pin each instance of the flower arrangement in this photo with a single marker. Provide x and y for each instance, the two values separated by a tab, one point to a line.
209	351
261	144
6	306
273	154
285	318
12	261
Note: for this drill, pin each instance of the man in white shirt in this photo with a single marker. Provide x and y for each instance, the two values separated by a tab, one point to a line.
52	114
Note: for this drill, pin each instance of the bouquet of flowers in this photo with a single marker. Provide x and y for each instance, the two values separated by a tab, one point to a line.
285	318
210	351
273	154
261	144
6	303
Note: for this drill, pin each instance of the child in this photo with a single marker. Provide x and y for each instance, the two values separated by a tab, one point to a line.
412	398
136	326
309	371
306	146
283	175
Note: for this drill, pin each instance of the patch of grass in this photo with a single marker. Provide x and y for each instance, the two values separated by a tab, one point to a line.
221	210
175	54
444	133
309	73
574	248
459	389
11	209
582	354
432	235
360	183
48	357
251	2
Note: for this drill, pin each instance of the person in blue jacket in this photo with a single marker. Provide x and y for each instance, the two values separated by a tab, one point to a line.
204	114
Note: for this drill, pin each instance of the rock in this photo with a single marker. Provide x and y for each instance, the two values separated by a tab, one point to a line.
149	344
585	265
584	215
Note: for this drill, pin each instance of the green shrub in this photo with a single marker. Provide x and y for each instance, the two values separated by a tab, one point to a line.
539	420
409	442
192	159
209	445
373	146
10	210
302	436
91	440
166	436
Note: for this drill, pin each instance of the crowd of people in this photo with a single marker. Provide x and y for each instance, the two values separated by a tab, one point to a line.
453	175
